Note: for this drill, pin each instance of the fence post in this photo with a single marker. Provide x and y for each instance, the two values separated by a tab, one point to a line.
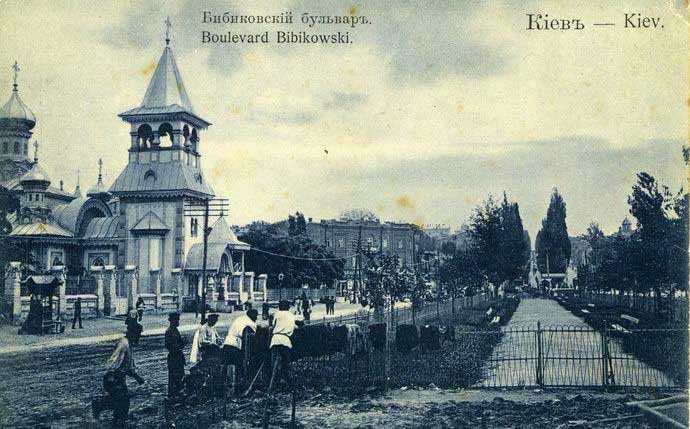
604	356
540	357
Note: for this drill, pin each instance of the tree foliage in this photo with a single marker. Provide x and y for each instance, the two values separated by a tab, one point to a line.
316	264
553	243
497	241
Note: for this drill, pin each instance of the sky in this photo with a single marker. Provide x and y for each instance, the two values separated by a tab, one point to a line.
429	110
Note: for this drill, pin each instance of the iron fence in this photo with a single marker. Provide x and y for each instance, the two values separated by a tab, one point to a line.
579	356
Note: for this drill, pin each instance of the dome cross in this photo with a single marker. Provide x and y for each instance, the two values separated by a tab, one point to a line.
167	30
16	73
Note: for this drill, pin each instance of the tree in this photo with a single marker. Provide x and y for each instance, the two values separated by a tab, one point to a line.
460	275
514	249
297	225
553	243
497	241
302	261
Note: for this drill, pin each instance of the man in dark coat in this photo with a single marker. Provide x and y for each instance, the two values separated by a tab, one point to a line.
77	314
174	344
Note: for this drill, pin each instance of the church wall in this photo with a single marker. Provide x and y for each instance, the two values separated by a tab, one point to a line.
138	248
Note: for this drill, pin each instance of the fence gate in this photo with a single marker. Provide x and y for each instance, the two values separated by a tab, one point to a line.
576	356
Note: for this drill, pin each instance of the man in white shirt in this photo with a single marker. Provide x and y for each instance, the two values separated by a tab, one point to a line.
206	342
232	348
284	324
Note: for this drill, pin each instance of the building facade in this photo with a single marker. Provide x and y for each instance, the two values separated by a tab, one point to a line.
135	235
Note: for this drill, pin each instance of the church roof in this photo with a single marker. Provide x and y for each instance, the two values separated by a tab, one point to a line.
150	222
166	87
67	215
39	230
36	174
97	189
214	254
221	233
166	93
102	227
170	178
15	110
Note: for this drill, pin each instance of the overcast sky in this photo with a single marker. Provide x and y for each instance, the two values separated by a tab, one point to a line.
425	114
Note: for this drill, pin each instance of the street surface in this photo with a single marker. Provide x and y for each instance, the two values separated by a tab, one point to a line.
572	352
48	381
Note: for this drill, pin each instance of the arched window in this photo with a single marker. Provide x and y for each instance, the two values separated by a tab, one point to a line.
185	134
165	130
16	147
150	176
144	135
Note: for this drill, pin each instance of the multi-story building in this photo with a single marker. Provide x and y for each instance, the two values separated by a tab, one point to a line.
344	237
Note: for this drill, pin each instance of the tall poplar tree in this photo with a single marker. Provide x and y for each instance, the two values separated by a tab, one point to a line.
553	243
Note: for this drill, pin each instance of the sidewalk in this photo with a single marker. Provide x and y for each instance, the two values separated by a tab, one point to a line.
107	329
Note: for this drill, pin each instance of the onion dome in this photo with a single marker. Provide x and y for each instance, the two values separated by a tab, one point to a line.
36	175
14	112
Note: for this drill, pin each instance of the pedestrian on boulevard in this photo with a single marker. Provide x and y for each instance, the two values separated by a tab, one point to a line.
77	314
174	344
264	310
140	306
115	379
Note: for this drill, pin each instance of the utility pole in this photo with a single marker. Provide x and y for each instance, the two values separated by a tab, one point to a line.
358	266
205	208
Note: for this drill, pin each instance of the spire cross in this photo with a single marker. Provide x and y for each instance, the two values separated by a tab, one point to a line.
16	74
35	150
100	169
167	30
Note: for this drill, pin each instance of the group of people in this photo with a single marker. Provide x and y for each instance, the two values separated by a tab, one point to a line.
208	349
330	304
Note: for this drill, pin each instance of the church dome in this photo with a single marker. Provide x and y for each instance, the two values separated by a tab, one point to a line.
36	174
15	111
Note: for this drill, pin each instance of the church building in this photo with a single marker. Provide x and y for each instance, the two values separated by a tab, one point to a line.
131	239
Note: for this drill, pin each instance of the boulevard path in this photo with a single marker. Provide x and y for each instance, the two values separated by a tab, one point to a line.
571	349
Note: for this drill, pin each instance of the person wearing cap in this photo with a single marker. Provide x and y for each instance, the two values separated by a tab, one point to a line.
232	347
114	380
206	341
174	344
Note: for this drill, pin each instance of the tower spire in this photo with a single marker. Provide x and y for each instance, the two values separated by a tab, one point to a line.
100	169
16	74
167	31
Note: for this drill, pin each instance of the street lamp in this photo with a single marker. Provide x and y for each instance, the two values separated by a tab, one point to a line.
280	286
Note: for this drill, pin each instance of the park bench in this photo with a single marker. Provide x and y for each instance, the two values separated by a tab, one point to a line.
585	311
590	305
619	328
633	320
628	321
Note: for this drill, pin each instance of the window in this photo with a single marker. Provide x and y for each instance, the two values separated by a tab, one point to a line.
30	197
341	242
194	227
370	242
155	254
26	148
16	147
385	243
400	244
